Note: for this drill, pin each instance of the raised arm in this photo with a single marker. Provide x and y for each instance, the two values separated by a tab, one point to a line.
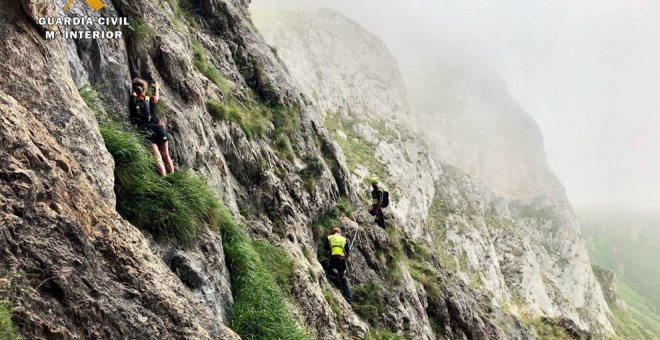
156	91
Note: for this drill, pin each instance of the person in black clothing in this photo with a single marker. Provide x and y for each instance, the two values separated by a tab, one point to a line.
144	115
377	205
337	247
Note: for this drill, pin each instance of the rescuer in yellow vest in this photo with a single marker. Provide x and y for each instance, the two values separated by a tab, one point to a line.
338	248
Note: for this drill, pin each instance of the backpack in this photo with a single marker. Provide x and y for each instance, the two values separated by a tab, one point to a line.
386	199
140	111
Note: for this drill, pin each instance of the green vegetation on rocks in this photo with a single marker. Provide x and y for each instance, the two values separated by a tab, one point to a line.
381	334
332	302
260	310
7	328
357	150
138	29
368	302
545	331
254	116
312	172
423	274
279	263
627	243
254	123
92	98
202	64
175	206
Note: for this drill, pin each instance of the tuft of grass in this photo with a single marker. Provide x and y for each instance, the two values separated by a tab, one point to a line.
545	331
332	302
175	206
368	302
420	251
345	207
260	310
253	122
312	172
138	29
92	98
201	63
423	274
283	146
279	263
185	9
260	83
221	111
286	119
313	167
7	329
382	334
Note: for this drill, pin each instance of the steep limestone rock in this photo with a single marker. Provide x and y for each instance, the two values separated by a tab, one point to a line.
170	292
526	255
608	280
77	269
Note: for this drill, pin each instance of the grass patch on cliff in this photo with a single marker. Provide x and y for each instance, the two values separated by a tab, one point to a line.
545	331
333	303
257	120
92	98
423	274
368	302
254	115
312	171
138	29
175	206
279	263
260	310
202	64
382	334
254	123
7	329
357	150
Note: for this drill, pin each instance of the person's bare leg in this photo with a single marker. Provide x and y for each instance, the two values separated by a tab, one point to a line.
165	154
159	161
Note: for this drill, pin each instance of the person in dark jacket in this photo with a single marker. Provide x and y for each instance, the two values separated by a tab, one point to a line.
338	248
377	202
144	115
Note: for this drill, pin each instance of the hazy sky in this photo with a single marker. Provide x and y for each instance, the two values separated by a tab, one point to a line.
588	71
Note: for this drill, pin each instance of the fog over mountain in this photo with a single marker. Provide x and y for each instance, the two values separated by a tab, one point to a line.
586	72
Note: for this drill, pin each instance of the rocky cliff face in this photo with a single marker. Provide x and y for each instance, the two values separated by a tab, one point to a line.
521	247
76	269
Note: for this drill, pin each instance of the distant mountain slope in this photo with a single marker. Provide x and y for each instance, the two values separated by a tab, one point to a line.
628	244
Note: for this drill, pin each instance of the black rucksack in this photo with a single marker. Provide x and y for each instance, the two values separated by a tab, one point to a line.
386	199
141	110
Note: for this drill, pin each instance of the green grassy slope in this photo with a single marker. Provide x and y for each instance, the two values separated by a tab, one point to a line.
639	308
628	244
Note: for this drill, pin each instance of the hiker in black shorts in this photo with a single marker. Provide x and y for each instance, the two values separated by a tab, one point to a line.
144	115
